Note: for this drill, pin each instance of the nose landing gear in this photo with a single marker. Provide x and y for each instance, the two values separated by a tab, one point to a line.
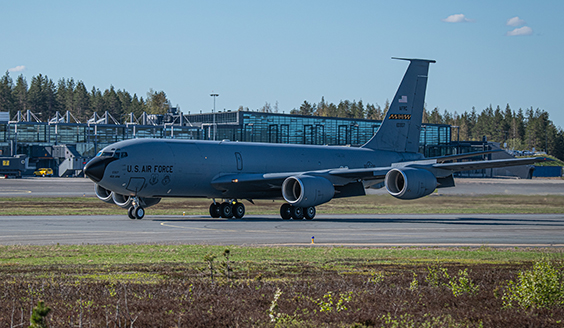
136	211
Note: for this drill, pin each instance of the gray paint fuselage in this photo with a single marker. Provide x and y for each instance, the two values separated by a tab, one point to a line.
186	168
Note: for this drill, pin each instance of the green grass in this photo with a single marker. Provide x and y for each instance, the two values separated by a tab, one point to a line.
369	204
62	255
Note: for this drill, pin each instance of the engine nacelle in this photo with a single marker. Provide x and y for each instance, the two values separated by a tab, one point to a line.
103	194
306	191
410	183
123	201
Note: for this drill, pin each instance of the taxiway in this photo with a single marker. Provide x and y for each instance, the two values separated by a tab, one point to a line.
538	230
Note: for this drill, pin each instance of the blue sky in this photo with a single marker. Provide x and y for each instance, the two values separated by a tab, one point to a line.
252	52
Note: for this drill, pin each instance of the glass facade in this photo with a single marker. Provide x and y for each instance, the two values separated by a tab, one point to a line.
312	130
236	126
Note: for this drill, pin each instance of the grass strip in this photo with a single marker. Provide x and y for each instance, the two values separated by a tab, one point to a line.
155	254
369	204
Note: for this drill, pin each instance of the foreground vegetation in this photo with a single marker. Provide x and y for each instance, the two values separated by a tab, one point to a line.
210	286
370	204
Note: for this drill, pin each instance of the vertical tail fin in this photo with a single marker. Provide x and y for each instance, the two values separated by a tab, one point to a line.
401	127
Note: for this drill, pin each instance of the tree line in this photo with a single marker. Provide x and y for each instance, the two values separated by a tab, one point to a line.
45	97
521	130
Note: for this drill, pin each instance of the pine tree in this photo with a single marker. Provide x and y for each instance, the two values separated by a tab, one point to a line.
6	98
97	103
36	96
306	109
113	105
19	94
81	100
157	102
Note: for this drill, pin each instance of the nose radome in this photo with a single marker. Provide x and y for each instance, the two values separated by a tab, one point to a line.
96	167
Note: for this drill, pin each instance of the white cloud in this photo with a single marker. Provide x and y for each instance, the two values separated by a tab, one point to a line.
525	30
16	69
515	21
457	18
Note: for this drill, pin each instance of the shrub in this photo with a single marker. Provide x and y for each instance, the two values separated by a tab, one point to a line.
540	287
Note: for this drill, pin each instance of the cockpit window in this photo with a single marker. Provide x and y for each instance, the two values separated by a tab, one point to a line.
114	154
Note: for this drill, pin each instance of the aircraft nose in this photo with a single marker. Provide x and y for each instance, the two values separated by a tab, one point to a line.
96	167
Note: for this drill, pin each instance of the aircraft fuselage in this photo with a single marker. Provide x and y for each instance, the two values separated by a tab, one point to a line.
186	168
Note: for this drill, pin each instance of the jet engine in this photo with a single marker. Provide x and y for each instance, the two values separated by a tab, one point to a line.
123	201
104	194
306	191
410	183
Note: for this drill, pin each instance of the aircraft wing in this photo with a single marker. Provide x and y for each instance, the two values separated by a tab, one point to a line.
434	166
477	165
250	182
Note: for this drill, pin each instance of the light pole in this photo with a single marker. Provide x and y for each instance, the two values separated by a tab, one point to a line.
214	95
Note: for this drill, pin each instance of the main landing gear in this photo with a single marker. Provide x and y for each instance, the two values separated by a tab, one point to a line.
288	212
227	209
232	208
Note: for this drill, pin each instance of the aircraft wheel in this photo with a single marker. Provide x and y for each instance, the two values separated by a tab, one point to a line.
239	210
285	213
226	210
214	210
130	213
139	212
309	212
297	212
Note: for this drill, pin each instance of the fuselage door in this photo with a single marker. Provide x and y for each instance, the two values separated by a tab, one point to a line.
135	184
239	160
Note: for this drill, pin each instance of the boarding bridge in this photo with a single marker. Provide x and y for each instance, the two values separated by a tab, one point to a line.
70	161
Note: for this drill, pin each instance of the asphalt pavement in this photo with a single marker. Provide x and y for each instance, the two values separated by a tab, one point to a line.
535	230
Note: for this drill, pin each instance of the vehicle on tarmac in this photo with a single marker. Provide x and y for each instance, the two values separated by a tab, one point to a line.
43	172
135	174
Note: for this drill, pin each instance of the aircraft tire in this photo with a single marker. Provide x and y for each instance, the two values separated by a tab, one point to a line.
226	210
285	213
130	213
309	213
214	210
239	210
139	212
297	212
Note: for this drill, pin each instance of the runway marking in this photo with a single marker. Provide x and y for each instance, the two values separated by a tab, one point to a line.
12	192
164	224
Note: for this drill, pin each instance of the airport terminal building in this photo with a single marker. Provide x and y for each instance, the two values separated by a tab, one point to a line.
65	145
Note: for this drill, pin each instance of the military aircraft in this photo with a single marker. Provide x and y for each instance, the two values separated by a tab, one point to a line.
135	174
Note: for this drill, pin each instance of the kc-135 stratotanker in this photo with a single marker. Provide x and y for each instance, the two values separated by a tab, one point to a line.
135	174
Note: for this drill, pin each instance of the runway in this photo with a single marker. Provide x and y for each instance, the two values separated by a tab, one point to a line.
538	230
335	230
